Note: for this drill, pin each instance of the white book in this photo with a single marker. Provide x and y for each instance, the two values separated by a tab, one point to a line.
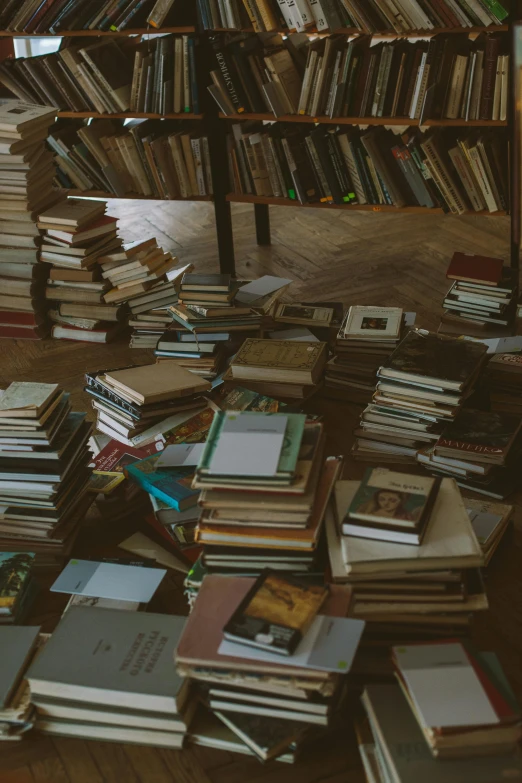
418	82
319	15
304	12
283	6
297	24
504	88
495	115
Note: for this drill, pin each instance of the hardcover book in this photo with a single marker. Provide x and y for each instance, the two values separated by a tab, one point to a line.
157	382
17	644
275	614
391	498
373	323
173	487
27	400
75	213
475	269
480	435
287	361
303	314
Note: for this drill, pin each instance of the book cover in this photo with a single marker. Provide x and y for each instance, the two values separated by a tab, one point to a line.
373	322
115	456
278	354
475	269
27	400
480	433
174	487
302	314
75	213
17	644
156	382
385	496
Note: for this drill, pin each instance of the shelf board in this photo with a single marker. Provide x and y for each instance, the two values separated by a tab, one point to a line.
240	198
101	194
400	121
97	33
128	115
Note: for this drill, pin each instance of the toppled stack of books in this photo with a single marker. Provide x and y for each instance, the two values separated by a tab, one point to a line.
279	368
26	174
405	591
454	710
107	674
44	473
270	657
265	488
482	299
19	646
420	389
17	586
504	382
365	340
149	313
138	406
77	232
482	450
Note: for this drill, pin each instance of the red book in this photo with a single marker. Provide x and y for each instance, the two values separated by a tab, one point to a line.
115	456
475	269
22	333
19	318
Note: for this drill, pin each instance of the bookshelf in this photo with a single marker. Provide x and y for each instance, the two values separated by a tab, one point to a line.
388	121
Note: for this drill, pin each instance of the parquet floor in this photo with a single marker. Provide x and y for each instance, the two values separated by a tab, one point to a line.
359	258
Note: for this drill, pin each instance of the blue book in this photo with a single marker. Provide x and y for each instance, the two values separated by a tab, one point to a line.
171	485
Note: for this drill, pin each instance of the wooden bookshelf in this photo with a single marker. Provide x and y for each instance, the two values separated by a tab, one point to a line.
390	121
97	33
101	194
127	115
241	198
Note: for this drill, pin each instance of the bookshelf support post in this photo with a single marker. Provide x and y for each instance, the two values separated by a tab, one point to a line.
222	208
262	217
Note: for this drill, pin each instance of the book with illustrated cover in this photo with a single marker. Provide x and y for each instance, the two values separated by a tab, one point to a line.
275	614
304	314
286	361
15	572
372	323
480	435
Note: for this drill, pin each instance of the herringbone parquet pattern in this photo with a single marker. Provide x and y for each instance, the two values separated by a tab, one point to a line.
359	258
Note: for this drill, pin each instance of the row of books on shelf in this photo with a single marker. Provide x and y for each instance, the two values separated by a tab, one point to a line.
162	159
364	15
57	16
447	77
455	171
110	76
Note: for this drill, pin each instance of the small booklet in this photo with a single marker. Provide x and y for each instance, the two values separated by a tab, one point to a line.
109	580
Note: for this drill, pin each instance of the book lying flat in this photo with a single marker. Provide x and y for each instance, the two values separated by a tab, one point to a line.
109	580
27	400
475	269
157	382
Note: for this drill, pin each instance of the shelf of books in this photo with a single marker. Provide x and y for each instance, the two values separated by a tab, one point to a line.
387	121
102	194
129	115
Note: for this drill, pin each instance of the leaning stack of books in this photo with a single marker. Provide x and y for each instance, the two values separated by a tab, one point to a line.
454	706
419	390
242	647
26	174
265	487
504	381
19	646
138	406
482	450
44	459
76	234
482	298
405	590
124	689
150	314
365	340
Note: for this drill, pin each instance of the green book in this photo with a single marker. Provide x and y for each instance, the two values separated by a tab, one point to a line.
496	9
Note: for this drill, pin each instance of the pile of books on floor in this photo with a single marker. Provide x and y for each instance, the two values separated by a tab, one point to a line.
138	406
482	297
482	450
365	340
269	657
420	389
149	313
265	487
26	175
124	689
44	473
504	382
19	646
162	159
17	586
490	522
453	707
77	234
428	587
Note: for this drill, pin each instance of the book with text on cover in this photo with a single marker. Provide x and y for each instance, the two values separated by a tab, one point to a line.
387	497
371	323
280	360
275	614
480	435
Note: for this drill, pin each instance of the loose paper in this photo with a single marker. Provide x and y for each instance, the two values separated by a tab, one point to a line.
257	289
109	580
180	454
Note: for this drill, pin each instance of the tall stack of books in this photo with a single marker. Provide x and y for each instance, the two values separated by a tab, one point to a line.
77	232
26	174
44	471
138	406
504	381
286	689
419	390
263	505
482	450
365	340
482	298
19	646
124	689
405	590
149	313
453	707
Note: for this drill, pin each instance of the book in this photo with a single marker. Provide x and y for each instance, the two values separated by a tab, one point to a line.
373	323
475	269
74	213
387	497
268	738
480	436
302	314
18	644
157	382
173	487
27	400
275	614
278	360
109	580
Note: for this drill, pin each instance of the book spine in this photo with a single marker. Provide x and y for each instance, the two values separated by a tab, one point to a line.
159	12
488	83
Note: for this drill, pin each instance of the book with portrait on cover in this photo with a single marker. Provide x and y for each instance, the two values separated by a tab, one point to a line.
387	497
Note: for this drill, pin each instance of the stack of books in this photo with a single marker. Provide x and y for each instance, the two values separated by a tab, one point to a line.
269	675
365	340
419	390
77	233
408	591
279	368
107	674
504	381
17	586
26	175
482	297
490	522
263	498
482	450
149	313
44	476
19	646
138	406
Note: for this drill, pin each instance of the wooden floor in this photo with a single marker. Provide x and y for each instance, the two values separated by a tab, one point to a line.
359	258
